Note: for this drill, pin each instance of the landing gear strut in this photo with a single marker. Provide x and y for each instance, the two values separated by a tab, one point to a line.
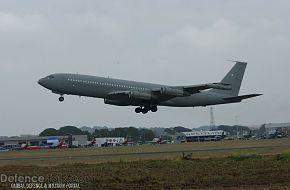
145	109
61	99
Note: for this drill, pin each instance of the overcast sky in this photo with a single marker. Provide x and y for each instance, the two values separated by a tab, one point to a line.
169	42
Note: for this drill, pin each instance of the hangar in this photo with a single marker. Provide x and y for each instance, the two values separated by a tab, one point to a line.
14	142
197	136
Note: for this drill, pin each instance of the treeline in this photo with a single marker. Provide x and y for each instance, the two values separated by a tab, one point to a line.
67	130
175	130
233	130
132	133
138	134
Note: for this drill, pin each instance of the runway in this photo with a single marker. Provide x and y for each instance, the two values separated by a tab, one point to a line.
140	154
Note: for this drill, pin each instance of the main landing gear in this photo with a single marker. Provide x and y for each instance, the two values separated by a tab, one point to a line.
61	99
146	109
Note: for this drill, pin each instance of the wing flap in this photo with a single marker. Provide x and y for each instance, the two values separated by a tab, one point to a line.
193	89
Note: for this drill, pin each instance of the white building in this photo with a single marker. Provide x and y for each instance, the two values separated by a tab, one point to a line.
109	141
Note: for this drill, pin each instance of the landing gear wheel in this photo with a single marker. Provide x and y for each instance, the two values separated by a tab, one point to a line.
144	111
154	109
138	110
61	99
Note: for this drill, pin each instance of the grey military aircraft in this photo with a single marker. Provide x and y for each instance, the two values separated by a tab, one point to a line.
147	96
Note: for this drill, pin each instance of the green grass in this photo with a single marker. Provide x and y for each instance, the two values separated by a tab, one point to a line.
245	156
212	173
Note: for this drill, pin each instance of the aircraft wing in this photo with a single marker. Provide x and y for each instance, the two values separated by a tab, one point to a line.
135	97
193	89
159	94
167	92
181	91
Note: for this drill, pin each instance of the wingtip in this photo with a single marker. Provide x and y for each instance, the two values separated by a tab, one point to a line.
256	95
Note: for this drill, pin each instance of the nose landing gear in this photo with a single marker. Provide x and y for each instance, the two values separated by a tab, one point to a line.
61	99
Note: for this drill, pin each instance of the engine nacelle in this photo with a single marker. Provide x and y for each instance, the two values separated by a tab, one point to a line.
140	95
117	102
172	92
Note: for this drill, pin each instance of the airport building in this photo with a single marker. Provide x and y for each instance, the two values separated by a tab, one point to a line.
271	126
110	141
13	142
197	136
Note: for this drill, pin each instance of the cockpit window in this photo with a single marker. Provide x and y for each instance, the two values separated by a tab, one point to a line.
50	77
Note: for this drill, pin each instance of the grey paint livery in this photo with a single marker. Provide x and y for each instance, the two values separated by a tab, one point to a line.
147	95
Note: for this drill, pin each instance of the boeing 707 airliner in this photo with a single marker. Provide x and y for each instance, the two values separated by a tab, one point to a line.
147	96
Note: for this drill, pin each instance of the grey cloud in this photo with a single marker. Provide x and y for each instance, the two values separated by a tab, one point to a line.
171	42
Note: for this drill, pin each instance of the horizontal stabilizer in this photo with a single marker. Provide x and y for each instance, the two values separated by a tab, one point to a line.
240	98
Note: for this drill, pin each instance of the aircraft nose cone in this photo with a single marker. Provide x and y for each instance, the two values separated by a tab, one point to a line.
40	82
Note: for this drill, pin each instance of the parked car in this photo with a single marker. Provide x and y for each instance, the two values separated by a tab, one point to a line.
2	149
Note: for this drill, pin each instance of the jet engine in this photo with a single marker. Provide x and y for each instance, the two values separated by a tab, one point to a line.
117	102
172	92
140	95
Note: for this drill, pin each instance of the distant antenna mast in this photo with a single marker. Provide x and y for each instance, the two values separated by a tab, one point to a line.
212	120
236	120
237	125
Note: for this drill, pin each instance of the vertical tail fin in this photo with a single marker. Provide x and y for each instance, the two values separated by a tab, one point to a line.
234	78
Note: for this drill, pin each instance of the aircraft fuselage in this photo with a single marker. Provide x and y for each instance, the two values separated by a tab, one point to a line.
100	87
148	95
